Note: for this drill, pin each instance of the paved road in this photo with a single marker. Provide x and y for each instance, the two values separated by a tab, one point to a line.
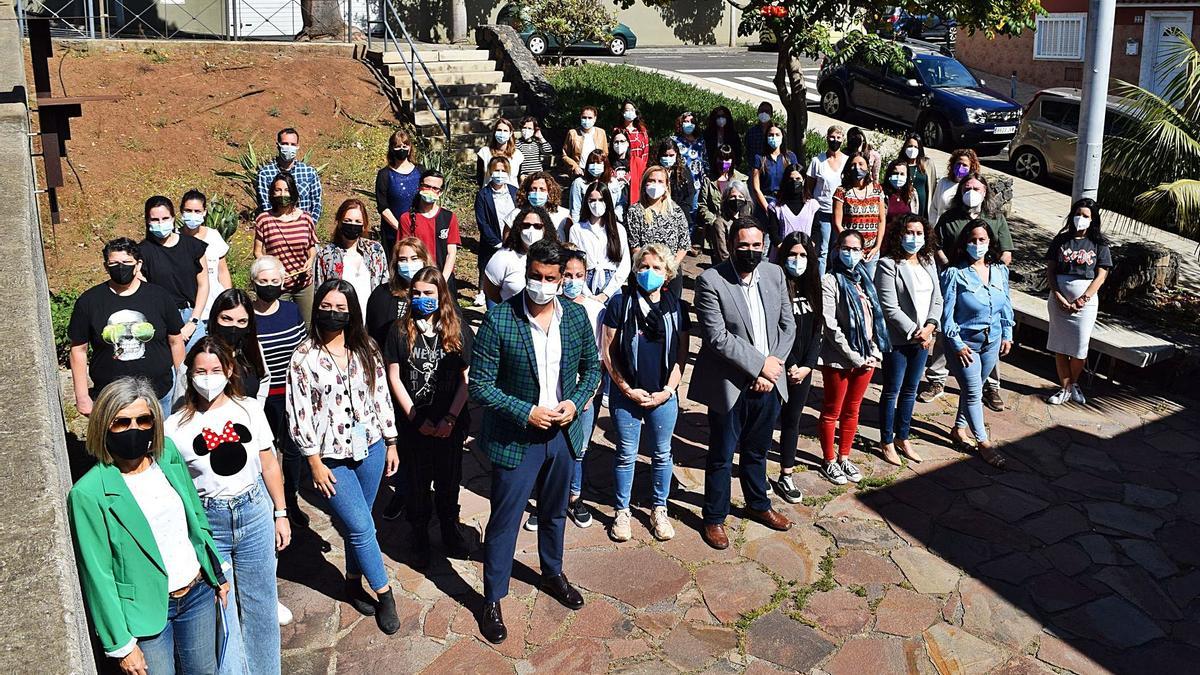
742	69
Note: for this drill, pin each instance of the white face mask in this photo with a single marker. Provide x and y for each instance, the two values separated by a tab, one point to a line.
655	190
541	292
764	117
1081	222
721	121
210	385
598	208
912	151
526	134
972	199
620	146
192	220
531	236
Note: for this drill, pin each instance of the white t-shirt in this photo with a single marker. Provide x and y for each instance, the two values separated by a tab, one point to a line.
163	508
595	312
943	198
221	446
355	272
217	249
506	270
828	179
514	164
922	293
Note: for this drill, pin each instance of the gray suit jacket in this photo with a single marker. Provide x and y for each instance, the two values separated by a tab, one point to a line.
894	283
728	363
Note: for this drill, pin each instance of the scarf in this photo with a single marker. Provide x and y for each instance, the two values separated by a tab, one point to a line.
856	333
655	324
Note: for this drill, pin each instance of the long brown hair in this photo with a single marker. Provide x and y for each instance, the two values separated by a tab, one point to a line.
445	319
342	210
208	345
357	341
398	284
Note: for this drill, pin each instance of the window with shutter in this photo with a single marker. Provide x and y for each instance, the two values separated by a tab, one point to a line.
1060	37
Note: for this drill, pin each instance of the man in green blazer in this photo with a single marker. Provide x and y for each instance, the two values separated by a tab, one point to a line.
534	367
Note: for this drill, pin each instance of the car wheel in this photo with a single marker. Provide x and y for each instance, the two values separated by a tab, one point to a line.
1029	164
617	46
537	45
935	133
833	103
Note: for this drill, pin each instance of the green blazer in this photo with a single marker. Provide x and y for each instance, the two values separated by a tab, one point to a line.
504	379
121	571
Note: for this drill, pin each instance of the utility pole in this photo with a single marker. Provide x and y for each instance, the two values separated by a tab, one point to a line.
1098	54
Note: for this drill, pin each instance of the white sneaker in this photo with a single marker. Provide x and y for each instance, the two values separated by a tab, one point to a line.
1059	397
480	301
284	614
1077	395
531	523
620	530
663	530
852	473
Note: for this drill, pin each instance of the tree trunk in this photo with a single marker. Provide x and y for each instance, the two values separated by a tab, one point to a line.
458	21
793	95
322	19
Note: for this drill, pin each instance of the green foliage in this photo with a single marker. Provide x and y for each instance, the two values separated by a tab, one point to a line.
569	21
246	173
61	306
222	216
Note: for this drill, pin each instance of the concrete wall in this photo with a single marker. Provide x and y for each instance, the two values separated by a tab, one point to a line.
41	611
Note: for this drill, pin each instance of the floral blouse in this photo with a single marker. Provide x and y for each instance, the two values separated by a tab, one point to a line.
650	227
329	261
323	402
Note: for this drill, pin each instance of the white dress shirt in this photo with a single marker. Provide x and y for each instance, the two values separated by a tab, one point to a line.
758	314
547	349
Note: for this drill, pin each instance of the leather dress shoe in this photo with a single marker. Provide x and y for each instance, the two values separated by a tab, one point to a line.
714	535
491	623
561	590
772	519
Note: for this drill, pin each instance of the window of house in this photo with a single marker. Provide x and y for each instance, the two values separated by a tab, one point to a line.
1060	37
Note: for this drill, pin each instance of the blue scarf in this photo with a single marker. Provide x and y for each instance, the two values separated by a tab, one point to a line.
855	332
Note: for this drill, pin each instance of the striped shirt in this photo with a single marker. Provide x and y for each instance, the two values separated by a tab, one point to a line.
535	154
308	184
278	335
290	241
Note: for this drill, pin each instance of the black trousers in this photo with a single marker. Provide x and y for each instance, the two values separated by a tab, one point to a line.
433	463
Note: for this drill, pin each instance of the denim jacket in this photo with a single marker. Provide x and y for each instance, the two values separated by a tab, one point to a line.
969	306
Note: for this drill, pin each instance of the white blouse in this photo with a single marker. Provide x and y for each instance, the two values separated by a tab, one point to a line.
324	402
922	294
506	271
593	241
163	508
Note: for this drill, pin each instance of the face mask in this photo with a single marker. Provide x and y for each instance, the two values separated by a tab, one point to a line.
329	321
231	335
629	115
400	154
721	121
163	228
860	174
595	169
531	236
192	220
1081	222
541	292
912	151
538	198
976	251
210	385
586	123
851	258
764	117
352	231
620	147
406	269
913	242
572	288
774	141
598	208
526	134
655	190
687	127
503	136
428	196
280	201
897	180
667	161
726	165
121	274
796	266
288	152
268	292
960	171
650	280
129	444
424	305
745	260
833	145
499	177
972	199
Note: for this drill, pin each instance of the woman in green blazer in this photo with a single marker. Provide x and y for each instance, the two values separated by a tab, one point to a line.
148	566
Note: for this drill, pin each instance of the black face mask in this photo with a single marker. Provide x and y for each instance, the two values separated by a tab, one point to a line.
121	274
280	201
833	146
232	335
745	260
732	207
329	321
398	155
351	230
268	292
129	444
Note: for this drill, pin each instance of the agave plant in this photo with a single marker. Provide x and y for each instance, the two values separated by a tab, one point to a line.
246	173
1152	161
222	216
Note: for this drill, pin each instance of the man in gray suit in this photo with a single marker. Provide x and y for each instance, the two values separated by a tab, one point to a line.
746	328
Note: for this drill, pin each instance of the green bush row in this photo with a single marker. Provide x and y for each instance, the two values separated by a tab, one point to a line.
61	306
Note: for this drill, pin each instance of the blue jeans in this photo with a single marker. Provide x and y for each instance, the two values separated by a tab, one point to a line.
244	530
748	428
588	419
970	379
201	328
822	235
902	369
357	484
628	418
190	638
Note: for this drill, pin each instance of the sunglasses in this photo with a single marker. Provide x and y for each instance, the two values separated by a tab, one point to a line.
142	422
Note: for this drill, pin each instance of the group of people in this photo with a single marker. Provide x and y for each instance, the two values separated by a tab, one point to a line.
349	365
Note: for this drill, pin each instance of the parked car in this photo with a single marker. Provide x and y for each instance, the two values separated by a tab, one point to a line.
936	95
539	43
932	28
1047	139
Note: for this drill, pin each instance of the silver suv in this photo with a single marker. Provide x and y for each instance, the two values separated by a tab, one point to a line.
1046	140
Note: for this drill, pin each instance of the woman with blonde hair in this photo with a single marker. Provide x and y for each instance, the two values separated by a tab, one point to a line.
501	144
657	219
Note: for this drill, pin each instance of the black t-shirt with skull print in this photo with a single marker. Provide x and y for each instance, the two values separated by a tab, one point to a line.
127	334
430	375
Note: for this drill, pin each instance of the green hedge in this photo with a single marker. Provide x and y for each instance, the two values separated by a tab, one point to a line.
61	306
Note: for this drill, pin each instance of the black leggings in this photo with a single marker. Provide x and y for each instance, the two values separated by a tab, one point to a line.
437	462
789	421
291	460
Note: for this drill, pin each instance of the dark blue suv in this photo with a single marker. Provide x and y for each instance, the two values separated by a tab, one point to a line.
937	96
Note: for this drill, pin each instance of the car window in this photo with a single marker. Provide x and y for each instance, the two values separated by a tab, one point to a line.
1117	124
1061	113
943	72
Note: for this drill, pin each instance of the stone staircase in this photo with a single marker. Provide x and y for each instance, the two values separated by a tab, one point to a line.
471	82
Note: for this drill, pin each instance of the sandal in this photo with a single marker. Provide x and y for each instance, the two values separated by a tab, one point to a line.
991	455
907	450
888	452
961	444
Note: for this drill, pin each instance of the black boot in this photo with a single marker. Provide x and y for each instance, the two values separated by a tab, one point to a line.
491	623
358	598
452	539
385	613
292	502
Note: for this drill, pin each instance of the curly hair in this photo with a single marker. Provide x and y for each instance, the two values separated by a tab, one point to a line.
553	190
893	246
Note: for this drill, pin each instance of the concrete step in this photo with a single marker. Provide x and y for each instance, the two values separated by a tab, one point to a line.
427	117
401	78
475	101
451	91
431	56
457	127
435	67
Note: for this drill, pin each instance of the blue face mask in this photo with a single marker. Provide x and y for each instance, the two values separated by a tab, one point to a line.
650	280
163	228
595	169
851	258
586	123
667	160
499	177
976	251
406	269
913	242
774	141
503	136
424	305
687	127
537	198
572	288
897	180
860	174
796	266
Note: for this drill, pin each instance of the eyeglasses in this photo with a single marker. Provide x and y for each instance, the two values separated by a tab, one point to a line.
430	187
142	422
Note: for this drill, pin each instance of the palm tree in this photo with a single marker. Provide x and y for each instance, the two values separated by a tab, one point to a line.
1152	157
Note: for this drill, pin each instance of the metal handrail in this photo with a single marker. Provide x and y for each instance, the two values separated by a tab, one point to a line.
390	38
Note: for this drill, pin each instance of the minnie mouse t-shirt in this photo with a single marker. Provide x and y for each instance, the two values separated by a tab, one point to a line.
221	446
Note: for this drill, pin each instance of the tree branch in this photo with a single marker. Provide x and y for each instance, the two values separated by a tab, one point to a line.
739	7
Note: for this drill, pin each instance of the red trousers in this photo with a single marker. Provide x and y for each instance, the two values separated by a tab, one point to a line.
844	391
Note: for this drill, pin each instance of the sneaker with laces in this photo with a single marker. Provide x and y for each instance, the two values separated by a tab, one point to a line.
531	522
852	473
621	530
992	399
786	488
283	614
931	391
1077	395
1059	397
833	473
579	513
663	530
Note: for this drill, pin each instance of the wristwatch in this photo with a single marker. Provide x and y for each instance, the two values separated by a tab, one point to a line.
194	320
281	513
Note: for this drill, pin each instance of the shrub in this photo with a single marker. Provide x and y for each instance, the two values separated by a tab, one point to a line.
61	306
222	216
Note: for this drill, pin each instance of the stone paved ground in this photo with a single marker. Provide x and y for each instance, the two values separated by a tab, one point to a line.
1081	558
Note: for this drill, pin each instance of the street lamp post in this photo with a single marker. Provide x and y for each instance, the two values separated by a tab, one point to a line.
1098	54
